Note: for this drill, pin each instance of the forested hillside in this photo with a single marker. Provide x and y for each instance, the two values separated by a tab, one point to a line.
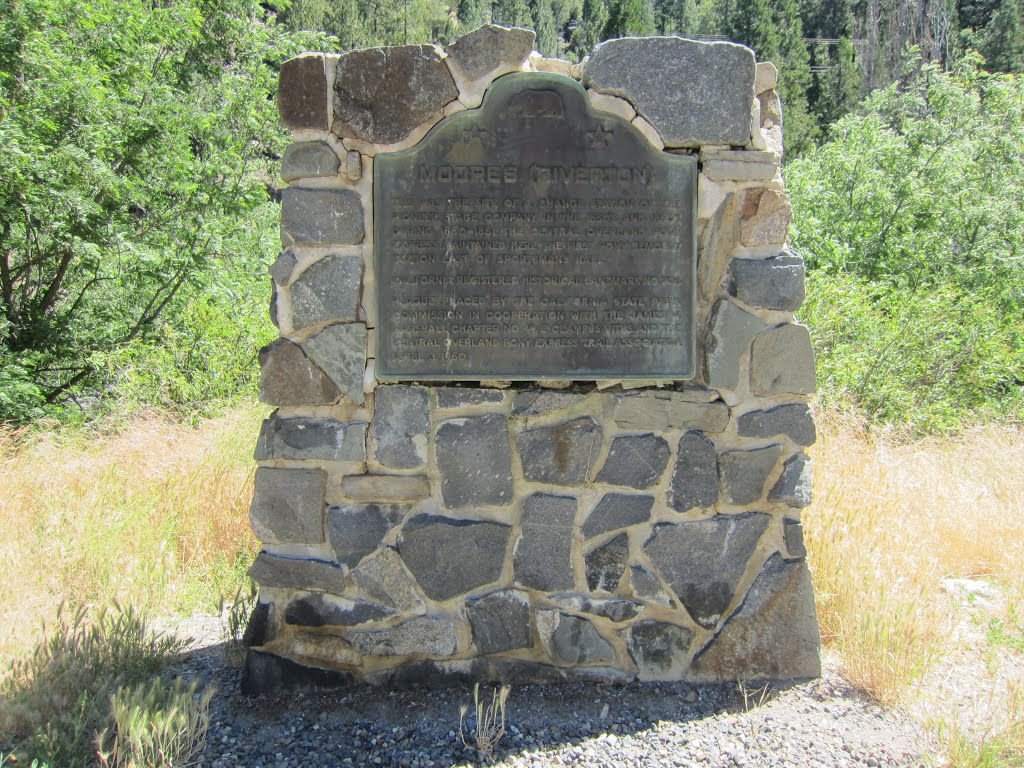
141	152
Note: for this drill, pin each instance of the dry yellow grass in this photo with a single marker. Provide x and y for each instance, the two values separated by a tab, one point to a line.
155	515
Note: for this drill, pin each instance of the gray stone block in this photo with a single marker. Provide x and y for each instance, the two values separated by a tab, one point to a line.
316	610
450	557
773	634
776	283
661	651
302	93
500	621
617	510
356	530
489	48
283	266
771	107
340	350
738	170
543	555
385	487
744	473
695	477
297	573
704	560
732	330
606	564
473	459
645	586
288	377
309	159
288	505
381	94
782	362
431	635
536	402
328	290
793	535
307	437
462	397
400	427
273	309
384	579
667	80
636	461
572	640
270	674
321	217
563	454
662	411
794	485
612	608
793	420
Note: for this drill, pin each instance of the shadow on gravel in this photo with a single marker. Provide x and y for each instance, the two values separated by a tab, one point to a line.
362	724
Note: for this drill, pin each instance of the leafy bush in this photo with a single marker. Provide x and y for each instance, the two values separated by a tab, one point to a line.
909	217
55	702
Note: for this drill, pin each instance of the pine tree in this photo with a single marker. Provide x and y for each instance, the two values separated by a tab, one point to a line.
794	63
839	89
1002	41
591	29
544	25
512	13
631	18
752	22
473	13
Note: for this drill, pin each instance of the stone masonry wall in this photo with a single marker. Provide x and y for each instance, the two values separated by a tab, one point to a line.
613	530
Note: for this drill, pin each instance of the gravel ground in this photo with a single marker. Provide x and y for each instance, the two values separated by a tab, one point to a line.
821	724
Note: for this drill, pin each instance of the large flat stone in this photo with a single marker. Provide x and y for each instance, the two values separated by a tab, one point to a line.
661	651
356	530
288	505
572	640
288	377
431	635
268	674
662	411
297	573
563	454
449	557
667	80
309	160
617	510
773	634
321	217
340	350
703	560
744	473
793	420
464	397
606	564
776	283
329	290
384	579
307	437
636	461
500	621
794	484
611	608
543	555
732	331
536	402
474	460
695	477
491	49
782	362
317	610
302	93
381	94
400	427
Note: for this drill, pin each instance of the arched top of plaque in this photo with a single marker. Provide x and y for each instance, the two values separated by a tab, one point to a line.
533	238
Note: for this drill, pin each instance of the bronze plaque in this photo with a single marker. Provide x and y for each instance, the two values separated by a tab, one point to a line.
534	238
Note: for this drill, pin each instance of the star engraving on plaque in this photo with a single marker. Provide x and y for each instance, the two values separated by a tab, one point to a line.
598	138
476	133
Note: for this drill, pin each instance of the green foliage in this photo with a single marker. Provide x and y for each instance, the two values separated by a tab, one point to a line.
155	725
55	702
910	222
630	18
138	139
590	31
544	24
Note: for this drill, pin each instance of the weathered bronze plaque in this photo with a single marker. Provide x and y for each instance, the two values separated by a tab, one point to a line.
534	238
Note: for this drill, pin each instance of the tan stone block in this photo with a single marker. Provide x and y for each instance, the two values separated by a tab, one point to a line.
612	104
765	217
766	76
386	487
649	132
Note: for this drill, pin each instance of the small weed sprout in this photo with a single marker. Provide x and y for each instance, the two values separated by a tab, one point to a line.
234	616
753	700
490	721
156	725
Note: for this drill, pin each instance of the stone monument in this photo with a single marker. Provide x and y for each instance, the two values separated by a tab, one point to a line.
541	401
